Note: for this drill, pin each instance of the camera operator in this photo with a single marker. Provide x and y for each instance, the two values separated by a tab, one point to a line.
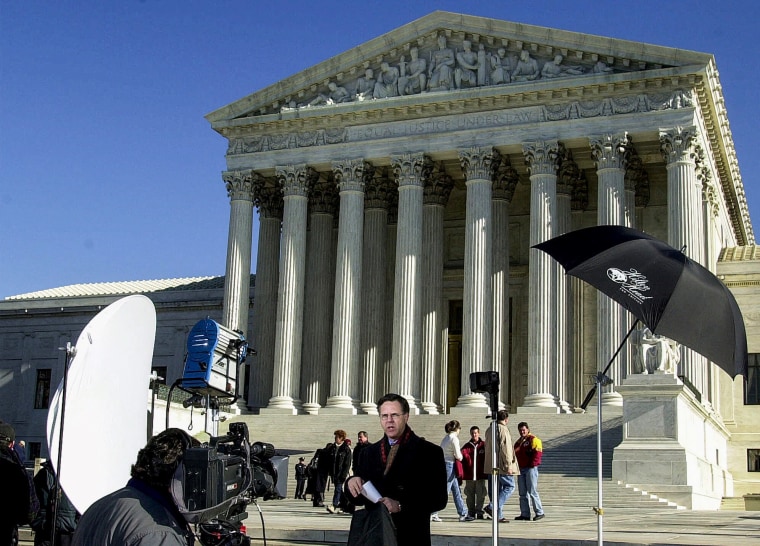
143	512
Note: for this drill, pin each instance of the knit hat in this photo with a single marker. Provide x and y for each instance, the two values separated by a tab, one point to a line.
7	433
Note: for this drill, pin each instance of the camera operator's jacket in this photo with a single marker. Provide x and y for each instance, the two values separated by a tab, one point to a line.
416	478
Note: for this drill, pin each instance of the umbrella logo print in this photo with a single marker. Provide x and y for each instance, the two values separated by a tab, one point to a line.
632	283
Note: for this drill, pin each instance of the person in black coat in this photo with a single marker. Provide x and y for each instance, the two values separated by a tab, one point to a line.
408	471
66	515
15	488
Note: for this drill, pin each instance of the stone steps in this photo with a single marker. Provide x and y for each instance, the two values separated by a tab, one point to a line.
568	472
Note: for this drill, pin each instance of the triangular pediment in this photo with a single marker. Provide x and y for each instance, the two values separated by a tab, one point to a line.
500	54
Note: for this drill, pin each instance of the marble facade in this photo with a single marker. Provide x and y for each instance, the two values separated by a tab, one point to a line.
397	218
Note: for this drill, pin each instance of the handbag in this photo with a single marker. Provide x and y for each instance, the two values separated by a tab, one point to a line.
372	526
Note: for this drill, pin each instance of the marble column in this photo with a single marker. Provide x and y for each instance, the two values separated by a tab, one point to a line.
568	174
318	305
685	219
237	279
377	190
296	181
477	329
608	151
391	239
542	158
504	184
348	284
436	194
409	171
268	200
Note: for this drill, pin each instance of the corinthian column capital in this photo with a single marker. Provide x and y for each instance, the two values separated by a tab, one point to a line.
567	172
479	163
350	174
411	169
323	197
296	180
268	199
609	150
678	144
438	186
241	185
542	156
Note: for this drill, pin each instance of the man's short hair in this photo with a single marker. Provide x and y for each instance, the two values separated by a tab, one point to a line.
340	433
362	433
7	434
502	415
393	397
159	459
473	428
522	424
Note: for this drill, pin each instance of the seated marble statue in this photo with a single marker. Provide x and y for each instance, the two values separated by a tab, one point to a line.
387	83
555	69
413	79
467	66
499	67
336	95
526	69
657	354
441	70
365	86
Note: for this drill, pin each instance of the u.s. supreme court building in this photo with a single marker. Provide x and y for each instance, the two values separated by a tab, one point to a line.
399	188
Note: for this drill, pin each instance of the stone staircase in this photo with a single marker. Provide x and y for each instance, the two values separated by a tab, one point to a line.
568	474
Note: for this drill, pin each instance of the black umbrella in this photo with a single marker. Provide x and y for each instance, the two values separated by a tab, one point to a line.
671	294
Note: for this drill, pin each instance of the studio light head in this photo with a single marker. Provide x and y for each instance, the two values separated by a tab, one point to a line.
487	382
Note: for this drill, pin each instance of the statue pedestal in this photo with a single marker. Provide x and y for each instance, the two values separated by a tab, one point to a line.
672	446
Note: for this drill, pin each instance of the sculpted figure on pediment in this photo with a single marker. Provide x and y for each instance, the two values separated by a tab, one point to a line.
365	86
337	94
555	69
526	69
500	67
387	82
441	70
467	66
600	68
413	78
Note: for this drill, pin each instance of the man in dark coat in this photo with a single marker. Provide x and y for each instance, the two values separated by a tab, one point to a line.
340	456
408	472
66	515
15	498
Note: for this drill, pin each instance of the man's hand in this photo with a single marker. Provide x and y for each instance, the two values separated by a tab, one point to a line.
392	505
355	484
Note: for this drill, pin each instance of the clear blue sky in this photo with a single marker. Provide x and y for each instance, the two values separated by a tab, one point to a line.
109	171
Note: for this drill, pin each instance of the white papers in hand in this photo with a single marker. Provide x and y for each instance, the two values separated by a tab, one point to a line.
369	491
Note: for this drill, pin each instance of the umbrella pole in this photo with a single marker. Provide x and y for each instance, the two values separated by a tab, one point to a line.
600	381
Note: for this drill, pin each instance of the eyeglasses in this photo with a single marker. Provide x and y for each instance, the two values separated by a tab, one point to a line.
390	416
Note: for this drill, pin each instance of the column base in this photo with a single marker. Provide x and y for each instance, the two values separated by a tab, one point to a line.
311	408
283	405
431	408
539	403
339	405
472	401
368	408
612	399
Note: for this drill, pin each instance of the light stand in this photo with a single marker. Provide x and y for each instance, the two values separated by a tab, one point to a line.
71	352
488	382
602	380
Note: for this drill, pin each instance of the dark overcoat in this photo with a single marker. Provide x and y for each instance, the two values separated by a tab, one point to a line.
416	479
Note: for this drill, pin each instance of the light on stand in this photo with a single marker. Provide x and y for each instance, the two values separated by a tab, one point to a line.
488	382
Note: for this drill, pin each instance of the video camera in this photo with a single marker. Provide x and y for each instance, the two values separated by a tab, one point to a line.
216	482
